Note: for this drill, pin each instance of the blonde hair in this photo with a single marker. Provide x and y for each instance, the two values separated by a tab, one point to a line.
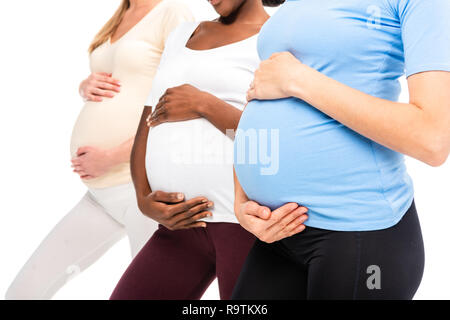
110	27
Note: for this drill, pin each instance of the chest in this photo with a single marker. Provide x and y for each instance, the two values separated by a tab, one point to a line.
225	72
135	52
210	35
331	30
126	55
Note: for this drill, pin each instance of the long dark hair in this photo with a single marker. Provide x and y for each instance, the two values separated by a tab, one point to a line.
272	3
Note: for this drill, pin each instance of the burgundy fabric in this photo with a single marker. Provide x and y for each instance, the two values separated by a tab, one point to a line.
182	264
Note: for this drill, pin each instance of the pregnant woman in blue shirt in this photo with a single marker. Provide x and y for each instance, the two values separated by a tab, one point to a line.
323	129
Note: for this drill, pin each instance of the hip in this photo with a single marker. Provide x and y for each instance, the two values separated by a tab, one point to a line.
115	200
399	242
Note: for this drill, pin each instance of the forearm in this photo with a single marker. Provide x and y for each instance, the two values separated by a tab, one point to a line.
403	127
221	114
137	163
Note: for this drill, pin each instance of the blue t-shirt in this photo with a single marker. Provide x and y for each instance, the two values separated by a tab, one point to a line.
288	151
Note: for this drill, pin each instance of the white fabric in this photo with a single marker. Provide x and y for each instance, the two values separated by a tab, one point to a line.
96	223
194	157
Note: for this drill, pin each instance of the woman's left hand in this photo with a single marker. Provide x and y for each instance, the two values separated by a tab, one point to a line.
92	162
179	104
274	77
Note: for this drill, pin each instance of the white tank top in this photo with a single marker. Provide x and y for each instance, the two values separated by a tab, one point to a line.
194	157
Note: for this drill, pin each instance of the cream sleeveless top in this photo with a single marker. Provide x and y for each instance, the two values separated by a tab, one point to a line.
133	59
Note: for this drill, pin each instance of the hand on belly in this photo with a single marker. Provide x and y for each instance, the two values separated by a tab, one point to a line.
173	211
179	104
92	162
271	226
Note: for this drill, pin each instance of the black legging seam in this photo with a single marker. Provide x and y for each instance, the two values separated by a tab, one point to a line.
358	264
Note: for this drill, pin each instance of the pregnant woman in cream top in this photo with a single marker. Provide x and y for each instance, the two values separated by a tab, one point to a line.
128	49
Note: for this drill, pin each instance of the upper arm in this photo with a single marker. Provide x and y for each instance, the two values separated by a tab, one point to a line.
139	150
425	28
430	91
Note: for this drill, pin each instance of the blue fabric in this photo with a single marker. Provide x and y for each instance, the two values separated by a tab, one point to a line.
348	182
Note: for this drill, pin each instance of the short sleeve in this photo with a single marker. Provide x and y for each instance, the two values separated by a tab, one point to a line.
426	34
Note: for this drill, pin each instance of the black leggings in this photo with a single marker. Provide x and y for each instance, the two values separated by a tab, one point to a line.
323	264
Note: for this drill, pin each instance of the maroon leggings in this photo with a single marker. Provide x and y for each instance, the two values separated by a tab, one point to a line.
180	265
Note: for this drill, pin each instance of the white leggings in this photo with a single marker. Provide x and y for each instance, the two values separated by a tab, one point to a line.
95	224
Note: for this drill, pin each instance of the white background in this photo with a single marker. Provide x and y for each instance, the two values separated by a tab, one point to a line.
43	57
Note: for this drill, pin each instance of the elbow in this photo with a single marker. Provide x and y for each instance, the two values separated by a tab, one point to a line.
141	206
437	152
437	159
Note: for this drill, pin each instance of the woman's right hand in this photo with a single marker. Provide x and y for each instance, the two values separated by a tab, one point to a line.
98	85
173	211
271	226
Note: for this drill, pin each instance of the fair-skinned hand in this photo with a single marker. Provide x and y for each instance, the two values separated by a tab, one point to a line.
274	77
271	226
99	85
179	104
92	162
173	212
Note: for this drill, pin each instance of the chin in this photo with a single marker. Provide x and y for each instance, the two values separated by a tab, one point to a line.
224	8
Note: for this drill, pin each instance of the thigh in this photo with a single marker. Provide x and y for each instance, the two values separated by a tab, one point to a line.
270	275
173	265
392	260
76	242
139	227
334	266
383	264
120	203
232	244
115	200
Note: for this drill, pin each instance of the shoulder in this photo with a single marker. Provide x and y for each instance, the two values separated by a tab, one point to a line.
184	30
175	7
179	35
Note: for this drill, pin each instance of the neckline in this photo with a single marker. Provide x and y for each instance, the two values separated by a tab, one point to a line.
136	24
215	48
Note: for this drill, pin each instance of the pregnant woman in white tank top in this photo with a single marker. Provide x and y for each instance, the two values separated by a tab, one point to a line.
128	48
183	166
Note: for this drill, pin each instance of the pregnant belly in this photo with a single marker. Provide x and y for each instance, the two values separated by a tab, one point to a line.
194	158
108	123
287	151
